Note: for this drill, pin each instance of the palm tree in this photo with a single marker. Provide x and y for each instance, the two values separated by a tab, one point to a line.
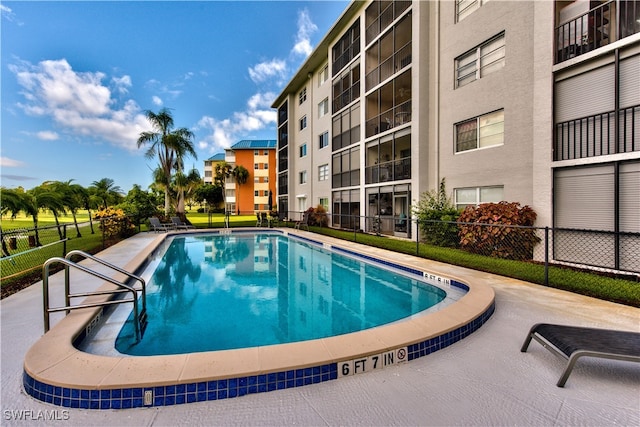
185	184
30	202
73	197
223	171
171	146
241	174
107	191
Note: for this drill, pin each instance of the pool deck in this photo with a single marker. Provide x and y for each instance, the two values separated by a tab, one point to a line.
482	380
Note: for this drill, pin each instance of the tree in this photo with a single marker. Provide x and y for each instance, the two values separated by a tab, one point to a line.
436	217
171	146
211	194
223	171
139	204
107	191
241	175
73	197
185	186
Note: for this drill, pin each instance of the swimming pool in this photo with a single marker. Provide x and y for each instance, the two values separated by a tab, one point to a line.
219	292
56	371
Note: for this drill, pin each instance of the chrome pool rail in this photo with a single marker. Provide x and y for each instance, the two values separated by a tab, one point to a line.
140	316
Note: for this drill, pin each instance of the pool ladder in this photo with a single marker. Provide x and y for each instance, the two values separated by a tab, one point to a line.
140	315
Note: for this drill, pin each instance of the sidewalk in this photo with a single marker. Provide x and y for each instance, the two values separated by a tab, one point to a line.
481	380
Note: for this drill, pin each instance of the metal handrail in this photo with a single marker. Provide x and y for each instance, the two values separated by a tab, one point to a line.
68	307
107	264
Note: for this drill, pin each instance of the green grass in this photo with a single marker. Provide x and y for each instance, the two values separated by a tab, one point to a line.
602	287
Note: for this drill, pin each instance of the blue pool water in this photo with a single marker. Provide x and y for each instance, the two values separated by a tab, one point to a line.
217	292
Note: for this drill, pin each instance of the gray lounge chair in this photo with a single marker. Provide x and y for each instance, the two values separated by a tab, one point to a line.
177	222
573	342
304	222
156	225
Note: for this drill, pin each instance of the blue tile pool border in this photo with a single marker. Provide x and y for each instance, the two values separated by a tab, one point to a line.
177	394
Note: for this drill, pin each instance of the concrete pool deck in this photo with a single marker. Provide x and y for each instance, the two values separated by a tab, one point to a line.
481	380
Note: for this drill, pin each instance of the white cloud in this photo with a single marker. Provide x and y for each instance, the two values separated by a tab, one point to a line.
9	15
267	70
122	84
6	162
225	132
47	135
305	29
79	102
156	100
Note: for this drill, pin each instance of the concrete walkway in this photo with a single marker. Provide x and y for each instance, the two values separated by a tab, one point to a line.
482	380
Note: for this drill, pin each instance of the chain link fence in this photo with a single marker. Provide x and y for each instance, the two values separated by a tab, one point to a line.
606	252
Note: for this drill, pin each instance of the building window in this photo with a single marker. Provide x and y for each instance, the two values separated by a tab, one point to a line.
256	152
323	107
347	48
480	132
266	166
303	95
256	166
256	207
323	76
303	150
346	128
265	179
346	87
465	8
256	193
323	172
345	169
324	202
480	61
265	153
323	140
303	177
303	122
473	196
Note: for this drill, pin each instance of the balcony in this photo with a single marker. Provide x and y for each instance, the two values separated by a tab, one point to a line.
589	25
388	171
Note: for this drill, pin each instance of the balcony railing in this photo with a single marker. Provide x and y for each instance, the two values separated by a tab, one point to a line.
604	24
389	119
388	171
596	135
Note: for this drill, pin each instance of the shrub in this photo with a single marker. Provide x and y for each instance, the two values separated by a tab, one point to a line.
114	223
436	217
318	216
477	235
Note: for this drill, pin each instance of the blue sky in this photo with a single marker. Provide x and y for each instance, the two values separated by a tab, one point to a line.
77	77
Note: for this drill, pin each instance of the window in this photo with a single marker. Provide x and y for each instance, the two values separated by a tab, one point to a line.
465	8
323	172
473	196
303	95
347	48
265	153
323	76
303	122
256	207
266	166
323	140
303	150
256	193
256	166
324	202
323	107
303	177
256	152
265	179
480	132
480	61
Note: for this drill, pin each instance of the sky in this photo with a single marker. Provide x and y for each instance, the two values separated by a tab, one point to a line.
78	76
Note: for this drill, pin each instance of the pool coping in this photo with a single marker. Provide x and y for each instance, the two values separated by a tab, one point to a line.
57	372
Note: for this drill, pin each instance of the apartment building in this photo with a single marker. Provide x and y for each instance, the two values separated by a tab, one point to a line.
210	167
536	102
258	193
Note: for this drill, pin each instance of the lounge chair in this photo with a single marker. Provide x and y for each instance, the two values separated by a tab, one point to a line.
573	342
304	222
156	225
177	222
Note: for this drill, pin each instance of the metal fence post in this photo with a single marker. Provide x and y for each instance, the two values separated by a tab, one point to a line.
417	238
64	241
546	256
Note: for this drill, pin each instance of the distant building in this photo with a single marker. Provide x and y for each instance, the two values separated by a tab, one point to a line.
259	158
210	167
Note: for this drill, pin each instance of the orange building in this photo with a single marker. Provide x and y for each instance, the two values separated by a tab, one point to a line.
259	158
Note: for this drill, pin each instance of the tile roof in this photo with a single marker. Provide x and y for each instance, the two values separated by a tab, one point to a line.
218	157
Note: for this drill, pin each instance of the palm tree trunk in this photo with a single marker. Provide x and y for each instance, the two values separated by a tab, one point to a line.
75	222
